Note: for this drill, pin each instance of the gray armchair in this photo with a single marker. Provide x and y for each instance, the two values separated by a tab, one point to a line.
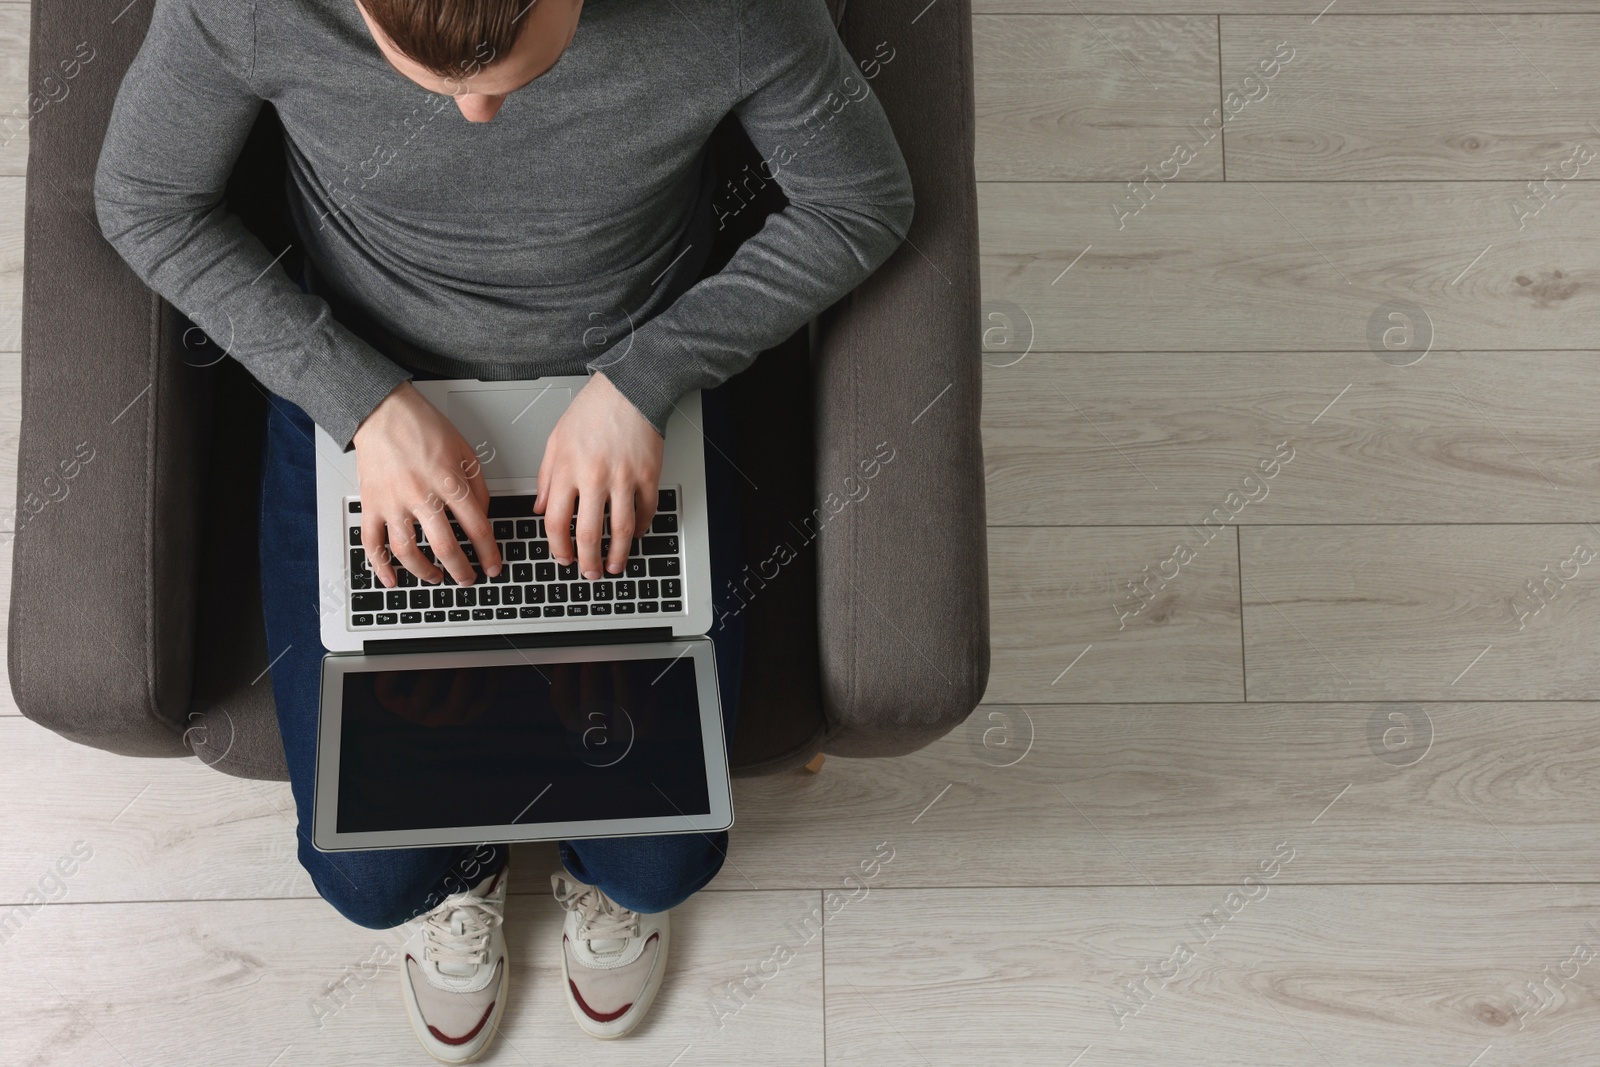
136	627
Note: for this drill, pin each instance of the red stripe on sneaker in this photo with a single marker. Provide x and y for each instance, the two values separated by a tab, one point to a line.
603	1016
597	1016
468	1036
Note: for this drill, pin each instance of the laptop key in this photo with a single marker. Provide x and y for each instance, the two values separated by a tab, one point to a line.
355	507
361	620
504	529
649	589
512	551
420	598
625	590
635	568
580	591
538	549
433	616
482	614
489	597
529	613
443	598
661	546
600	609
552	611
404	578
461	615
503	577
511	594
667	500
577	609
388	618
648	606
664	524
625	608
671	587
361	581
409	618
602	590
533	594
505	613
567	572
366	602
394	600
466	598
527	529
557	592
664	565
672	605
521	573
355	535
544	572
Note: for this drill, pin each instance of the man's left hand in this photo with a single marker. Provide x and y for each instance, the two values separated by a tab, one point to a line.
601	451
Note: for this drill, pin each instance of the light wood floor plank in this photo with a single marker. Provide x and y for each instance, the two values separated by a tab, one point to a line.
1054	592
236	983
1297	266
1113	438
1177	794
1074	98
1421	612
14	89
11	203
1418	97
1299	976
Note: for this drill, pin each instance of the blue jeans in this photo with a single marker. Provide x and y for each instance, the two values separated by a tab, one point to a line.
385	888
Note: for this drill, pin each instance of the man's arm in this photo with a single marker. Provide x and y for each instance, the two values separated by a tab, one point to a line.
824	137
181	117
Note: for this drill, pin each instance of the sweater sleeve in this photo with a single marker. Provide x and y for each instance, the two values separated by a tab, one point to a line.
180	118
823	136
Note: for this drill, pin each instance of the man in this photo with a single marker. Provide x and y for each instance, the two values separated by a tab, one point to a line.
478	183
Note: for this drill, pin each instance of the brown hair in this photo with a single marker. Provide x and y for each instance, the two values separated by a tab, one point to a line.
452	38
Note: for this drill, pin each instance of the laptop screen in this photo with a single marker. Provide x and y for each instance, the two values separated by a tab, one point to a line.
520	743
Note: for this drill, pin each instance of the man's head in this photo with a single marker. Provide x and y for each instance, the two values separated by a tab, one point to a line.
477	51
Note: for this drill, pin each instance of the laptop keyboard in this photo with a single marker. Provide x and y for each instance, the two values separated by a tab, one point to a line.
530	584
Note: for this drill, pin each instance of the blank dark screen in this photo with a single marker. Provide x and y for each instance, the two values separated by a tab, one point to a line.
522	743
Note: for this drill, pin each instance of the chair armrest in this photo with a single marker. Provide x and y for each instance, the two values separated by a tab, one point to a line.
902	548
103	575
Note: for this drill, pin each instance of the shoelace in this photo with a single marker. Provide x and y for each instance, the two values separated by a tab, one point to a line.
456	933
600	918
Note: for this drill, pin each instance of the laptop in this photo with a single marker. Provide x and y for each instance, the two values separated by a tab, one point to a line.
534	705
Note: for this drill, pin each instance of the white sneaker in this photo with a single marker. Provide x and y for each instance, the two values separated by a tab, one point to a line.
455	971
612	958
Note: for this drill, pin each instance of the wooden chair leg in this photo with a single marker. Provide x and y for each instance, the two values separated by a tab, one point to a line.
816	763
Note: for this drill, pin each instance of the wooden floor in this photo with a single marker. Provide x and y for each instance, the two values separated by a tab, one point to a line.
1290	750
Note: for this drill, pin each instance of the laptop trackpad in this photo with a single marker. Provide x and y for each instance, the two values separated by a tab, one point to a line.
513	423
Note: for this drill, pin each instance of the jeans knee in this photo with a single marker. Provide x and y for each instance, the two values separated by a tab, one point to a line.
651	874
364	901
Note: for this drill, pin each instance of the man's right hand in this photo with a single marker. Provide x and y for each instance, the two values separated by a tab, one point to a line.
413	464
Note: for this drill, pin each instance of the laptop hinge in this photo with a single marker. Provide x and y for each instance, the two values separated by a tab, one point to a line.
491	642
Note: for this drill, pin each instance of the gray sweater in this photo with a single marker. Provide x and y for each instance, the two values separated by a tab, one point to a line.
563	236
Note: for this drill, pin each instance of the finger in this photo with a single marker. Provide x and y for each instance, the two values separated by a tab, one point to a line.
445	550
649	495
591	520
478	496
372	539
474	519
558	519
622	530
406	549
